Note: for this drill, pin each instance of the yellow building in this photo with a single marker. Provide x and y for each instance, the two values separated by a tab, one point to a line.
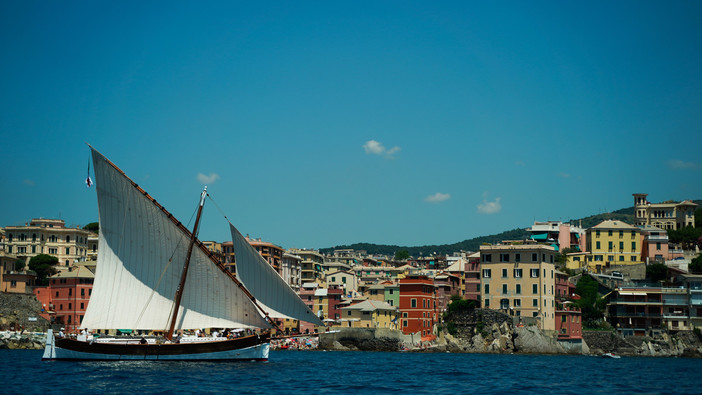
48	236
370	314
612	243
312	269
520	280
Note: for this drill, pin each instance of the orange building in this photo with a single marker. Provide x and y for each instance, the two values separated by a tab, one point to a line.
418	305
67	297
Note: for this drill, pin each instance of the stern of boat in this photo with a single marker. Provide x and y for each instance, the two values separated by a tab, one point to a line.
50	347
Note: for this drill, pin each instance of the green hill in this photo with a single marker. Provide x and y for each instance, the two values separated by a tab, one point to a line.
624	215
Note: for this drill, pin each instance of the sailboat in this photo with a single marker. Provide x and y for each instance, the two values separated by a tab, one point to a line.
153	274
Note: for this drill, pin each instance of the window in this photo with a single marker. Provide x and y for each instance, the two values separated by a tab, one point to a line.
68	239
504	257
487	289
82	306
563	318
609	233
535	302
534	273
610	257
487	258
534	257
633	258
68	250
504	273
82	292
487	302
504	289
610	245
519	289
621	246
658	246
404	323
413	303
9	248
633	246
504	304
487	273
534	288
517	257
70	291
597	245
517	273
598	258
597	233
621	257
333	279
517	303
633	233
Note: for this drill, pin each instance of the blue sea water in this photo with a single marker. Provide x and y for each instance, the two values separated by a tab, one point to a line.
306	372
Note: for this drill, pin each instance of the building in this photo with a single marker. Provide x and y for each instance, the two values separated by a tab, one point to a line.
345	280
569	324
215	248
292	271
611	243
558	235
11	279
654	244
520	280
312	269
644	310
666	215
67	296
418	305
269	251
693	284
370	314
48	236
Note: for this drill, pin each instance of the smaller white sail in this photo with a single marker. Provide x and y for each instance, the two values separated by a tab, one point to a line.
266	285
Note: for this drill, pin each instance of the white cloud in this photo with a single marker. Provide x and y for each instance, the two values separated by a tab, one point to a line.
29	182
563	175
490	207
373	147
437	197
677	164
207	179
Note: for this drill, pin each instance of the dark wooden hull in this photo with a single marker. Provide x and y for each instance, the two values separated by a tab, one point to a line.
244	348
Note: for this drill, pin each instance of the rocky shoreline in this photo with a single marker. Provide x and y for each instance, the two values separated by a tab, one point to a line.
490	331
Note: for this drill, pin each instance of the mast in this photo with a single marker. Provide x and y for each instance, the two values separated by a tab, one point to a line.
183	276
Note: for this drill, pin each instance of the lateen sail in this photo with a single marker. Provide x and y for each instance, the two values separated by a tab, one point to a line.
141	255
266	285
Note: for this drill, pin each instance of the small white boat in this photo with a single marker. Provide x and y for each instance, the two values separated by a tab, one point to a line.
610	355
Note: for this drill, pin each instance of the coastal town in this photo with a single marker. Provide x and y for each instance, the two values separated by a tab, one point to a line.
645	285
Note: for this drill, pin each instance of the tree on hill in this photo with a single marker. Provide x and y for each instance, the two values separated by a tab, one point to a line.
696	265
687	236
43	266
92	227
402	255
656	272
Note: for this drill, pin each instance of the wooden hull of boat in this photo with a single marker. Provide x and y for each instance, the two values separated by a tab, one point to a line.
245	348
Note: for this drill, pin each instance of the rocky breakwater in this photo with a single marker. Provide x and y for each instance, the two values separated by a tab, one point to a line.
490	331
680	344
362	339
22	341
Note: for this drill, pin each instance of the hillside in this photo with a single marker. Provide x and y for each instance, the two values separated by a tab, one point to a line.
625	215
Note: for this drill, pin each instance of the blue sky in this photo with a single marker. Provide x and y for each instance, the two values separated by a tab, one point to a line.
322	123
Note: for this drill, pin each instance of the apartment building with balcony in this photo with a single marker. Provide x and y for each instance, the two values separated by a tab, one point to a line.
311	266
568	323
693	284
11	279
48	236
612	243
666	215
520	280
643	310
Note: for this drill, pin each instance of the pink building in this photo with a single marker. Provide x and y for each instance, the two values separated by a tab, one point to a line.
654	244
559	235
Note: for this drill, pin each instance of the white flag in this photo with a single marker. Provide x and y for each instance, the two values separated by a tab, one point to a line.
88	182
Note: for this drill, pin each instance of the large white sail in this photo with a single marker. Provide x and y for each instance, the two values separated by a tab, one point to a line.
142	249
266	285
